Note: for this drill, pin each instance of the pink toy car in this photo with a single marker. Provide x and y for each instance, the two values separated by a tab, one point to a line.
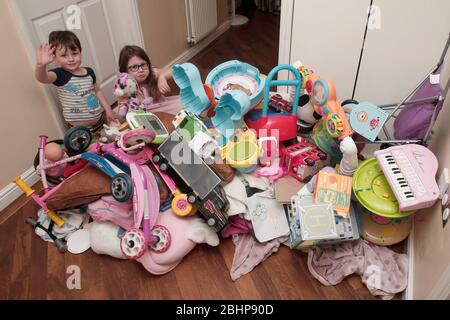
303	160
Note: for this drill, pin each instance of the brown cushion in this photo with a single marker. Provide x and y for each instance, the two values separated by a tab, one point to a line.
83	188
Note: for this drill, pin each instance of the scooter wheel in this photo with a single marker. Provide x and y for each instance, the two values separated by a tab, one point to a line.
180	205
163	234
133	244
77	140
122	187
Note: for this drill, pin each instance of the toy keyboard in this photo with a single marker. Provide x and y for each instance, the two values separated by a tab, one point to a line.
410	171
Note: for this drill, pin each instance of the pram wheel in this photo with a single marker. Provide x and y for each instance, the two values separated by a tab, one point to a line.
122	187
163	234
133	244
77	140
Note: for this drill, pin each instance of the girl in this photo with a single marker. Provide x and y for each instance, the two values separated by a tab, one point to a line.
152	82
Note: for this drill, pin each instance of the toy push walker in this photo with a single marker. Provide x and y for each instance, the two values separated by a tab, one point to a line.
281	125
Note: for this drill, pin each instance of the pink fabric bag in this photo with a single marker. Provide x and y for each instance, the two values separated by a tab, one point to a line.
108	209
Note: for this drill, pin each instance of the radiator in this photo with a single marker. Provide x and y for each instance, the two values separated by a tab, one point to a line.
201	16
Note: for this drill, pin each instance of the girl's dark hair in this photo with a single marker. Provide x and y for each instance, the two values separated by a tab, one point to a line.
129	52
65	39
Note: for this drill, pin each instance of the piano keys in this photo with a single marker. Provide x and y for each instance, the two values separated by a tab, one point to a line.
410	171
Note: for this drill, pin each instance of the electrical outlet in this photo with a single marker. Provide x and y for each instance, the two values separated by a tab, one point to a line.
445	206
443	183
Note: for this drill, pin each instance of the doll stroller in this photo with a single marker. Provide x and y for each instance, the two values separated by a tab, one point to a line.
413	118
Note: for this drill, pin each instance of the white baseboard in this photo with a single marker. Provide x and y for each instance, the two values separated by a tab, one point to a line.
409	293
191	52
11	192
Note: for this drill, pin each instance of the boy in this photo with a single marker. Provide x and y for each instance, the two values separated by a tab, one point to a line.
80	96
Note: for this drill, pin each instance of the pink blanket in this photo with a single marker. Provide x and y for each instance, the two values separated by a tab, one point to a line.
384	272
170	105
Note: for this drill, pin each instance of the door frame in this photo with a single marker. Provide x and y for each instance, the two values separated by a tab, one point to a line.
131	17
284	49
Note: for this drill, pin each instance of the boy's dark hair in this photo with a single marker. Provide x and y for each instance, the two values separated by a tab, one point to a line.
129	52
64	39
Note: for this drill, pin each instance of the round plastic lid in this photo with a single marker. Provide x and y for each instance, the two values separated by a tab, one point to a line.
79	241
373	191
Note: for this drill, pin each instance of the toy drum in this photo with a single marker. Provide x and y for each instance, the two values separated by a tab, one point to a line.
381	230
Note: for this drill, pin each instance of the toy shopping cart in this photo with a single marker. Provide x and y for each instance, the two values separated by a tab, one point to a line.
414	116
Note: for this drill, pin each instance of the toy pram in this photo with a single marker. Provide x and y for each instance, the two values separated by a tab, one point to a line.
416	116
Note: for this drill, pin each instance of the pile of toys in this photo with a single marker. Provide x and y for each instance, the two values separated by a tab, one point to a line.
172	183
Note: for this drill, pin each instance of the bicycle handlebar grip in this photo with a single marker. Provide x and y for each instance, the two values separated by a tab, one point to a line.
22	185
56	219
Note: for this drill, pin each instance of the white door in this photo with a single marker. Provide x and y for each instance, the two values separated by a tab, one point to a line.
105	27
326	36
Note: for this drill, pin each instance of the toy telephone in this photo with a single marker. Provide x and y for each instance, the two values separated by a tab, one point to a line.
323	99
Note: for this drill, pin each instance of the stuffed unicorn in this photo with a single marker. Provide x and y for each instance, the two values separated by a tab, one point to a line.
126	89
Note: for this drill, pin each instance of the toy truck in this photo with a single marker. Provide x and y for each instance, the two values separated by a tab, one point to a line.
207	193
303	160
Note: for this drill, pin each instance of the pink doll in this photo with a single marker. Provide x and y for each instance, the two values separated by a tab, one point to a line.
53	153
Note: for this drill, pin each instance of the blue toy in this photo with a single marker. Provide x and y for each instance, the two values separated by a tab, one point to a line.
367	119
232	107
237	75
192	93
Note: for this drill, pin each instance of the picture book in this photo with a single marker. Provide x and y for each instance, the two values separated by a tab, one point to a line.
335	189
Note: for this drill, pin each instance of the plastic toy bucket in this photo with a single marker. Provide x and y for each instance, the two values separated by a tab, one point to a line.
243	156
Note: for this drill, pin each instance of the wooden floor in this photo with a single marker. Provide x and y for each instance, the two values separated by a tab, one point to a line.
32	269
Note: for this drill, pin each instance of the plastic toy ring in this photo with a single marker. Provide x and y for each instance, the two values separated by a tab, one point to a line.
133	244
164	239
180	205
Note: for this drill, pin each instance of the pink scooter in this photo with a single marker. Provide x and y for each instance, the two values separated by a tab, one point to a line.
133	151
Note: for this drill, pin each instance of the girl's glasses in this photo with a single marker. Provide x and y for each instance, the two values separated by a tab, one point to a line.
136	67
